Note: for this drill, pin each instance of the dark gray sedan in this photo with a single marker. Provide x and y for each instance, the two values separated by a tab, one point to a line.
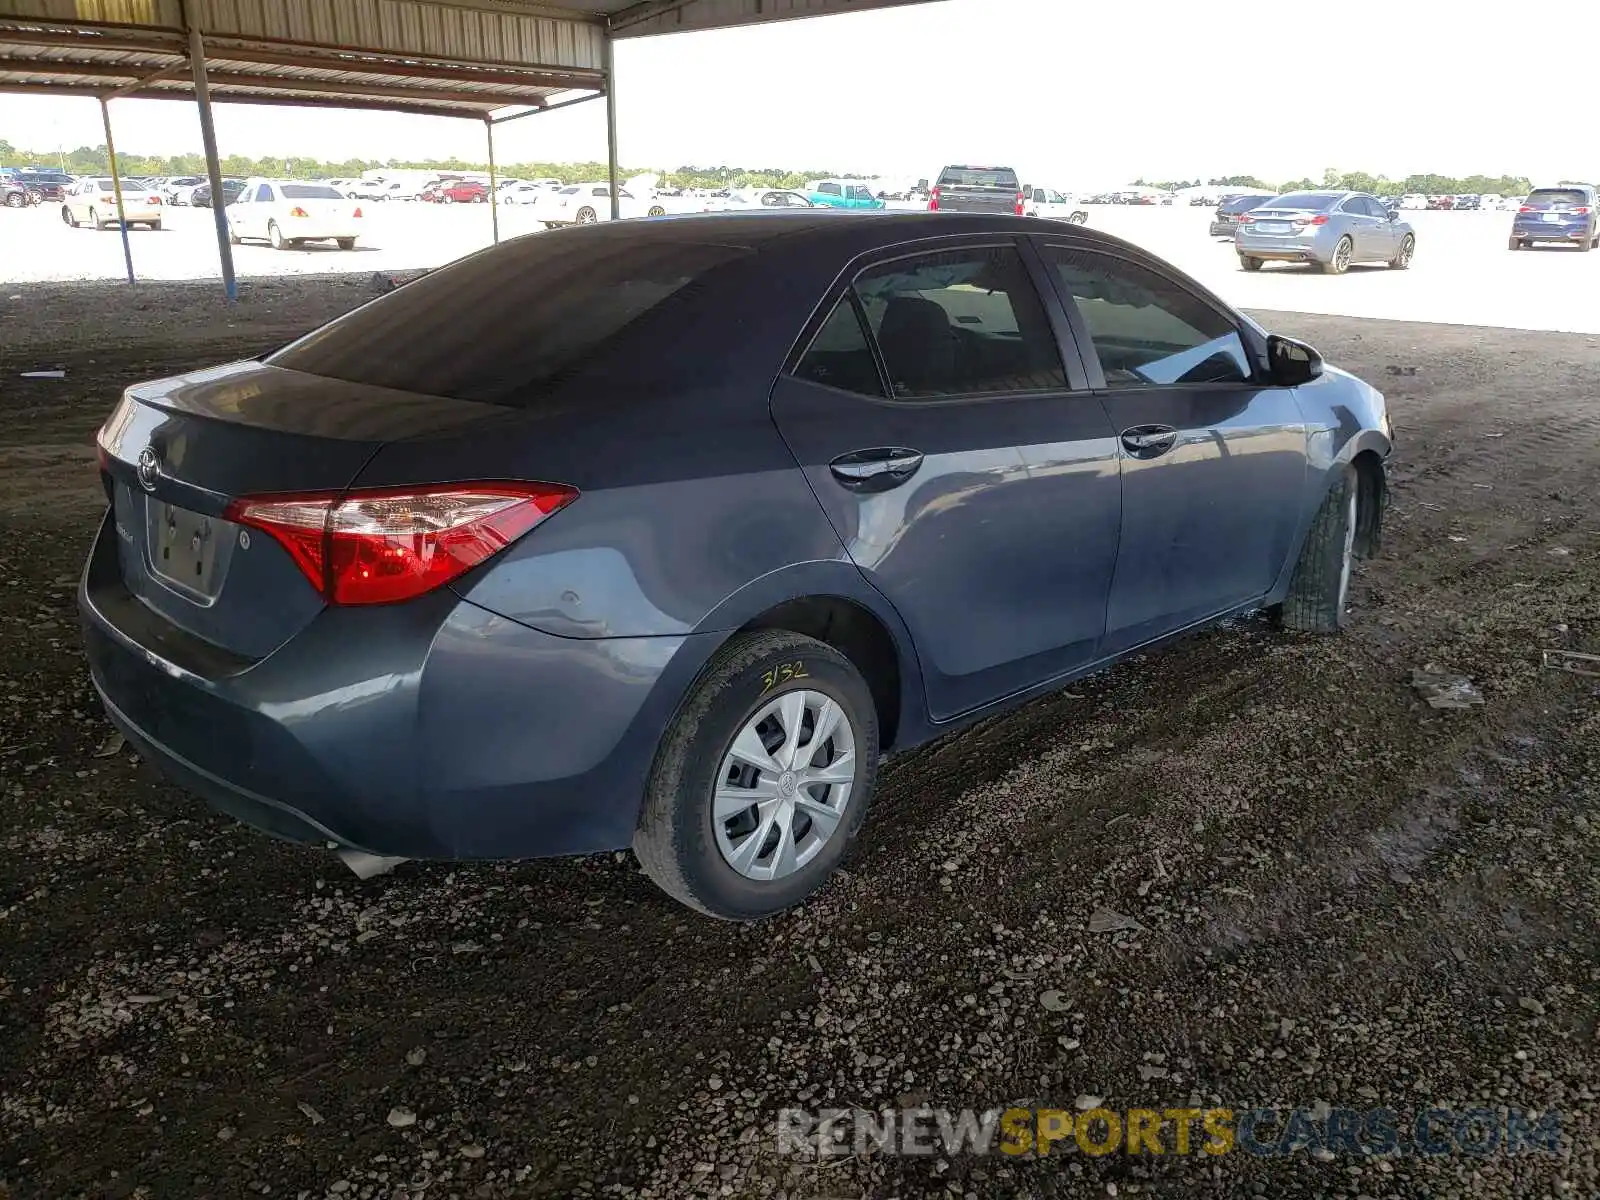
666	546
1331	230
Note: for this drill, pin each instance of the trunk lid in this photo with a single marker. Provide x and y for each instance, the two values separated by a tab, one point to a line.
176	452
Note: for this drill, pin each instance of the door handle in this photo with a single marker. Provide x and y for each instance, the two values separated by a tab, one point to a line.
1149	441
876	470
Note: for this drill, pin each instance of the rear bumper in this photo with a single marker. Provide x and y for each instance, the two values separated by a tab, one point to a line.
1282	249
1542	231
433	729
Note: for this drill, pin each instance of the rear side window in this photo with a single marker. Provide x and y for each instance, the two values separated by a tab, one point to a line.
308	191
1146	330
1557	198
960	323
557	306
840	355
984	177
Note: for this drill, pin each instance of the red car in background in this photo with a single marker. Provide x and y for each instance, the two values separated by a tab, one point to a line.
458	191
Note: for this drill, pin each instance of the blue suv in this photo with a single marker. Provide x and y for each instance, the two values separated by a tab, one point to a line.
1565	214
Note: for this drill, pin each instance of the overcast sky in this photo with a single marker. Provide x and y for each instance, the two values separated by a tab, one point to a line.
1078	92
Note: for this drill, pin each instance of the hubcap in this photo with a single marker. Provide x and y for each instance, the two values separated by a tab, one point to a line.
784	785
1342	255
1349	542
1406	247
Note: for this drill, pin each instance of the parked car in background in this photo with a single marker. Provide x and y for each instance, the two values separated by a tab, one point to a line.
1413	200
16	194
841	193
201	196
1511	203
51	185
1468	203
180	188
1441	203
987	190
414	524
459	191
378	189
590	203
760	200
288	213
1332	230
93	202
1226	219
1569	214
1051	205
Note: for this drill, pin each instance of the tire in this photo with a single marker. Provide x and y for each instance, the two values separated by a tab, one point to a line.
67	218
1517	244
480	199
1246	263
419	196
1402	256
1339	263
233	238
346	243
586	216
155	225
1078	218
275	236
679	842
1585	246
448	199
94	219
16	199
1321	583
657	211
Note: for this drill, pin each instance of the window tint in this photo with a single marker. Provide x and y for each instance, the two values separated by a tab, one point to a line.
1376	208
959	323
773	199
828	189
264	193
857	192
309	191
840	355
558	306
1310	201
985	177
1557	198
1146	330
1356	205
106	185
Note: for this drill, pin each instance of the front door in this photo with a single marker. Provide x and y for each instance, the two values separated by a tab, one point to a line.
910	413
1211	461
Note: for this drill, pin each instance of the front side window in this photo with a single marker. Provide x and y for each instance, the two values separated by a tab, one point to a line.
959	323
1146	330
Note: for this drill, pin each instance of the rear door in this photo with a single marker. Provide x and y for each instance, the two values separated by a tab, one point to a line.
934	418
1213	465
1363	228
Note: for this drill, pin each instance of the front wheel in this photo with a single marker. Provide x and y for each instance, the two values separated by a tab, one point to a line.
1321	584
1402	256
1078	218
67	218
1246	263
762	780
657	211
16	199
586	216
346	243
1340	262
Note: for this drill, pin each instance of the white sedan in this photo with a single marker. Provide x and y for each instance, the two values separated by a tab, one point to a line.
759	200
588	203
94	202
1054	206
288	213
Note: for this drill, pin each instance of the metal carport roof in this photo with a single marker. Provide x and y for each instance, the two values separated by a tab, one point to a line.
456	58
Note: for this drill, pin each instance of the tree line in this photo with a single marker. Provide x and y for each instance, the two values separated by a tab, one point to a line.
1362	181
93	160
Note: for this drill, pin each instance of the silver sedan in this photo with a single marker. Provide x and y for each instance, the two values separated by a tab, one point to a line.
1330	229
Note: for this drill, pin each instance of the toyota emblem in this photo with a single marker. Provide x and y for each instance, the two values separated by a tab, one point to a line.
148	469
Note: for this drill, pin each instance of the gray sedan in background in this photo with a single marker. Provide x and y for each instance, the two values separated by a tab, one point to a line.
1330	229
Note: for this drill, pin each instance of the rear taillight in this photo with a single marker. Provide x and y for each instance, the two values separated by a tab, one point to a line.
1319	219
1021	200
933	200
297	211
1527	208
1245	219
153	201
357	213
1579	212
381	547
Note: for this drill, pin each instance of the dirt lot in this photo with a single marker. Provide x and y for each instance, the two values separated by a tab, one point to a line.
1342	894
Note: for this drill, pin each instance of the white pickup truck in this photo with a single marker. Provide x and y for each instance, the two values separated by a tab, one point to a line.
288	213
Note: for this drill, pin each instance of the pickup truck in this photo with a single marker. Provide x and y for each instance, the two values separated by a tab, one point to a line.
977	190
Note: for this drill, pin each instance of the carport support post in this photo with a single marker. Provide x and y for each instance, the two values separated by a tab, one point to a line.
116	183
610	69
208	135
494	191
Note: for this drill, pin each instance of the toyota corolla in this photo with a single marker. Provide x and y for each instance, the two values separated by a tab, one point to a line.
667	546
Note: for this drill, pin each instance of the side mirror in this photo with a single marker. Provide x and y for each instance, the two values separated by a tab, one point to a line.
1292	363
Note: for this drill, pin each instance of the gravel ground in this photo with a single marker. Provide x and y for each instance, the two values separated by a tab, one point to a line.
1342	895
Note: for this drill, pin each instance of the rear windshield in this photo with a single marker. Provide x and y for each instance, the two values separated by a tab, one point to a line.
309	191
1310	201
1238	204
1554	197
983	177
558	304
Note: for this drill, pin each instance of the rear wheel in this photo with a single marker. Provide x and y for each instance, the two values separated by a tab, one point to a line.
67	218
16	199
1339	263
156	225
1246	263
1078	218
275	236
762	780
657	211
347	243
586	216
1402	257
1585	246
448	198
233	238
1517	244
1321	584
